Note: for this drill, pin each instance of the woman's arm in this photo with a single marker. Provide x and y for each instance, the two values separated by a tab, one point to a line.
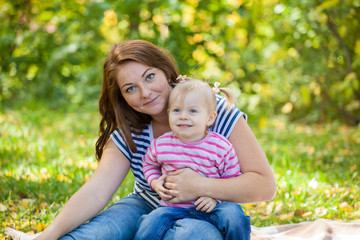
256	184
93	196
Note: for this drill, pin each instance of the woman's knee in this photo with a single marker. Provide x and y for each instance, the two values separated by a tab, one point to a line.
119	221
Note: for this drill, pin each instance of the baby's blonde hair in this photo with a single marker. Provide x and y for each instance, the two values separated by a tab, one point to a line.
189	84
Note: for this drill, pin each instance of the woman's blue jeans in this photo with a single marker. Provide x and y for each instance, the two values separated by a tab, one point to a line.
228	217
120	220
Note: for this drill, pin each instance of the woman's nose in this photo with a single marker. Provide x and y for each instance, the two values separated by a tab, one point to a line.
145	91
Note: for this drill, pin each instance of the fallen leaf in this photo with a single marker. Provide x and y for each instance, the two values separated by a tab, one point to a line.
3	208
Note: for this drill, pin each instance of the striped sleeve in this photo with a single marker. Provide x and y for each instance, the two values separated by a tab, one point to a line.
121	144
151	167
226	118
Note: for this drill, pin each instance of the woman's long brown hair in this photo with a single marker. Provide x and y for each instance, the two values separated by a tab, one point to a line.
114	110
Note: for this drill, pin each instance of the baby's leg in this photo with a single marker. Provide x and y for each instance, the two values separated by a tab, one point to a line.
231	220
193	229
155	224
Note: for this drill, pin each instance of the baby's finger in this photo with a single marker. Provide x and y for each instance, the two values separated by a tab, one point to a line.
199	200
209	207
200	204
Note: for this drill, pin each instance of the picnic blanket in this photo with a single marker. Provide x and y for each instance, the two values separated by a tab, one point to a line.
321	229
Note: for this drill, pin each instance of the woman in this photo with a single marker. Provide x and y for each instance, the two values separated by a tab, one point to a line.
137	79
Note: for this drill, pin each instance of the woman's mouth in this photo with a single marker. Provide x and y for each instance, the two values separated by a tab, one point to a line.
151	101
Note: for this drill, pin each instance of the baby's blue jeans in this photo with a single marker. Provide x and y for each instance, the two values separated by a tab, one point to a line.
228	217
120	220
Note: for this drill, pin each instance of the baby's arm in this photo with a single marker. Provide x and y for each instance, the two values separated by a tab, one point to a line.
205	204
152	172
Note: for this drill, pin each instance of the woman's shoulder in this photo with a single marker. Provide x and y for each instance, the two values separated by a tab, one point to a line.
141	140
226	117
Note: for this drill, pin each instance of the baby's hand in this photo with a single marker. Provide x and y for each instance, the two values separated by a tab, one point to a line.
158	186
205	204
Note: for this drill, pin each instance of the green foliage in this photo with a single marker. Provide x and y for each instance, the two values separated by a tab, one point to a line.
297	58
50	50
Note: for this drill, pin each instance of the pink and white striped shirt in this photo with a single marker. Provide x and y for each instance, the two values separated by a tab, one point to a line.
213	156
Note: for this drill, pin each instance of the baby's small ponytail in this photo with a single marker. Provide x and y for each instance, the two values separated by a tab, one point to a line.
229	94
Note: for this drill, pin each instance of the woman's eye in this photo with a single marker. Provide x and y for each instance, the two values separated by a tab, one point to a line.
130	89
150	76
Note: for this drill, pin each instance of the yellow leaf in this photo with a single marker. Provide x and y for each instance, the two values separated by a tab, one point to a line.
40	227
262	122
287	108
198	38
193	2
110	18
286	216
273	149
346	207
24	204
328	4
236	3
307	214
249	204
357	47
159	19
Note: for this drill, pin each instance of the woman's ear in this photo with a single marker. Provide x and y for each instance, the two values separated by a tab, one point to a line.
212	117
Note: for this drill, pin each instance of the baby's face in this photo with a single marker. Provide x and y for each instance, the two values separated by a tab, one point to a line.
190	116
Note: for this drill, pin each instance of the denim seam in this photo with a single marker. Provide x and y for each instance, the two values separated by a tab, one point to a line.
166	226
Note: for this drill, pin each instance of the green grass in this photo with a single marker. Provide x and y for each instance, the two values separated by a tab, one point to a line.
46	155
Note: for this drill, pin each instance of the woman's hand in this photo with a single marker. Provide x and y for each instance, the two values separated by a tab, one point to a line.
183	185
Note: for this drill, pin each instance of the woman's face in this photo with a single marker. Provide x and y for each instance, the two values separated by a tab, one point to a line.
144	88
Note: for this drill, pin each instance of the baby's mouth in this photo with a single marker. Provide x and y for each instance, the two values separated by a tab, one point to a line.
184	125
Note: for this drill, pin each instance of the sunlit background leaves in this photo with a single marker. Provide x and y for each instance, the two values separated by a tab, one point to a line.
297	58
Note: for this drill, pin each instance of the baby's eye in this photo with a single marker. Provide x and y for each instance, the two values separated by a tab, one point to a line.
150	76
176	110
193	111
130	89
